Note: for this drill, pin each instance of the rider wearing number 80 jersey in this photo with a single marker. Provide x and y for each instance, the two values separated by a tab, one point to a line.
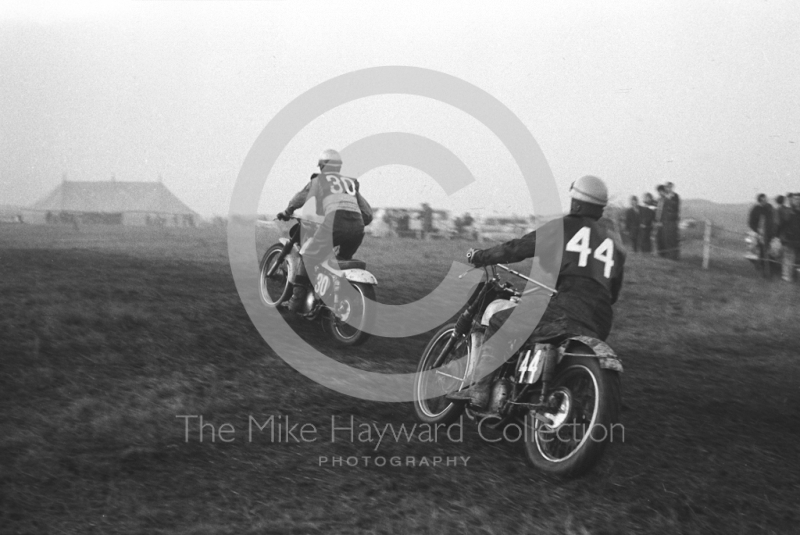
345	212
589	277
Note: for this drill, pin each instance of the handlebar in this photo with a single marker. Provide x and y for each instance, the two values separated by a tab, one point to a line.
298	219
539	285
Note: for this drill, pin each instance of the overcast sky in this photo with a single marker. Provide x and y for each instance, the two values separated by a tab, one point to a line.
705	94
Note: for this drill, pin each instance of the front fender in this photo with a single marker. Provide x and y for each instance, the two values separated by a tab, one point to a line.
605	355
360	275
494	307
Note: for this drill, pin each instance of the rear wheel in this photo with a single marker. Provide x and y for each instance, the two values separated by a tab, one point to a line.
448	376
352	315
588	401
274	289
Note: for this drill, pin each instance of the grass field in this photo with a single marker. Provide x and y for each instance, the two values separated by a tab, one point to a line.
107	335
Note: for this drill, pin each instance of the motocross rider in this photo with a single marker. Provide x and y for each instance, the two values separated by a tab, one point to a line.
345	211
589	278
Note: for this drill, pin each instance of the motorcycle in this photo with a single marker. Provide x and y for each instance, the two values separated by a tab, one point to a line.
341	295
562	399
771	264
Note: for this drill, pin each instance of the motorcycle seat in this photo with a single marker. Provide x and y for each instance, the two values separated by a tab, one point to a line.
348	264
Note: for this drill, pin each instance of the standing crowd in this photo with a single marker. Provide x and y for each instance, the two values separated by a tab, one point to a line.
655	222
777	234
653	225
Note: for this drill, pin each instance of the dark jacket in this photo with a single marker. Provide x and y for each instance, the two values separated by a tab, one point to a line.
589	278
789	228
671	208
647	217
633	218
762	221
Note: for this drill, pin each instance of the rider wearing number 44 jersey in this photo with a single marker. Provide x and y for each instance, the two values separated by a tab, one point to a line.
589	278
346	212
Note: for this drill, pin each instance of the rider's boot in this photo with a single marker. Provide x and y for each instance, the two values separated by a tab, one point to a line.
477	394
295	304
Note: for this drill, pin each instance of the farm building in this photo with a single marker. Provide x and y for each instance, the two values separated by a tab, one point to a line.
113	203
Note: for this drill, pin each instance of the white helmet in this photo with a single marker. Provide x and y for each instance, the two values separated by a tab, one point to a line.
329	157
589	189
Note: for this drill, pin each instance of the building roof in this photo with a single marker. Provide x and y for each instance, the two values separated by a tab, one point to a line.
112	197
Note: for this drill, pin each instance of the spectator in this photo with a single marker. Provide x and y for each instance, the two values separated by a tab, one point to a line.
633	218
463	223
789	234
648	216
671	215
782	213
427	220
781	210
762	222
659	220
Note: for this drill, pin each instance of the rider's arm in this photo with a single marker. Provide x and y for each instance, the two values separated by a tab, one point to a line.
301	196
616	282
366	209
616	286
299	199
508	252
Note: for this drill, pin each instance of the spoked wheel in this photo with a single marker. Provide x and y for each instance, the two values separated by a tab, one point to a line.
352	315
447	377
586	401
274	289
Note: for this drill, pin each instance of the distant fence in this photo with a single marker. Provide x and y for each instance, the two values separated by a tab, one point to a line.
717	239
710	242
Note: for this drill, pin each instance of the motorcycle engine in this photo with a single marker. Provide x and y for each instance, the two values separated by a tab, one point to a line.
308	306
499	394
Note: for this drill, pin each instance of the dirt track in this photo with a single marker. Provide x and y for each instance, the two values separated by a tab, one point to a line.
107	340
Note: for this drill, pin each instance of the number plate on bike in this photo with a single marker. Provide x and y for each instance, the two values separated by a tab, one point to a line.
530	367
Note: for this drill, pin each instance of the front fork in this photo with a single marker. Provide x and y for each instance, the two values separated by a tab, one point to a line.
287	247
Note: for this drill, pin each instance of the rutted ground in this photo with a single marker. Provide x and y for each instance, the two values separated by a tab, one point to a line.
106	339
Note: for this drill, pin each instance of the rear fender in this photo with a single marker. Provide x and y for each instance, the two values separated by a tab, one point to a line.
602	351
354	275
359	275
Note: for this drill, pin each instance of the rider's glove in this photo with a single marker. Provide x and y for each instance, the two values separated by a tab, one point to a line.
283	216
471	254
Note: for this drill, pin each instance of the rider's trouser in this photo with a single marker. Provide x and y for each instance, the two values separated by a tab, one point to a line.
575	310
342	229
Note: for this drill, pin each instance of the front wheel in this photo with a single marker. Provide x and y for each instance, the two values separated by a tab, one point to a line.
447	376
588	401
352	316
274	289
